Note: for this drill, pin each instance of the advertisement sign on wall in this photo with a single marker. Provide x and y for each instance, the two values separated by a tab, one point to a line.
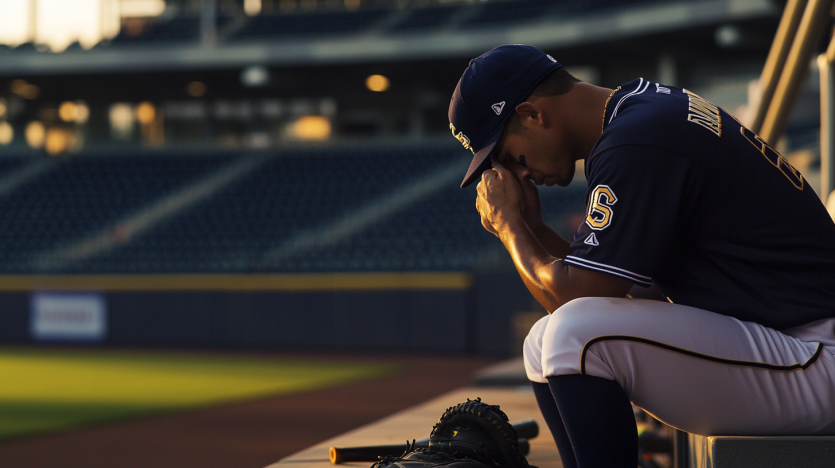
68	316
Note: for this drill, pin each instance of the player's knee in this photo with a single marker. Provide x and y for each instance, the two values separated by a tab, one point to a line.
570	328
580	316
532	350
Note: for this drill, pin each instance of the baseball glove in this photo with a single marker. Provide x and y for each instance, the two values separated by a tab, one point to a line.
480	432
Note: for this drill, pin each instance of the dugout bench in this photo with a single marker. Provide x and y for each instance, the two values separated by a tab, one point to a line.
761	452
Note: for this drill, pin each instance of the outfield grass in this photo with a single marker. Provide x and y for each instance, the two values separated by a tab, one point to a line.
45	390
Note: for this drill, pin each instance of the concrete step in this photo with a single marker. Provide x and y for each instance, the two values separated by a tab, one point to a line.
509	373
417	422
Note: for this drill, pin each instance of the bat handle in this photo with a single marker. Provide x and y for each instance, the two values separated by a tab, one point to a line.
524	447
526	429
339	455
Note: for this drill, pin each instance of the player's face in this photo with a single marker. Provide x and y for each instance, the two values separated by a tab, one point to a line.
546	157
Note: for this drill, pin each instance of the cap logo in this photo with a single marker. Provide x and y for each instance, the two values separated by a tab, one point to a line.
551	58
497	107
461	137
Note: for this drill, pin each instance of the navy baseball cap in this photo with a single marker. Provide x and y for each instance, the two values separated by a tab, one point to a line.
487	94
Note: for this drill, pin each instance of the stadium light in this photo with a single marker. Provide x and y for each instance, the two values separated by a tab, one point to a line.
255	76
58	140
35	134
196	89
4	108
145	113
727	35
82	112
67	111
377	83
6	133
121	120
311	127
252	7
352	4
77	112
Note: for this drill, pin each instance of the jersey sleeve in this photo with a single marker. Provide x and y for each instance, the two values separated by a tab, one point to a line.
636	199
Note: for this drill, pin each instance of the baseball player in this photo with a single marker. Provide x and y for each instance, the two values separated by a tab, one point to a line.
683	202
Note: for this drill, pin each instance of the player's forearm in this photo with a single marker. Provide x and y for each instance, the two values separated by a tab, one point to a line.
553	242
541	271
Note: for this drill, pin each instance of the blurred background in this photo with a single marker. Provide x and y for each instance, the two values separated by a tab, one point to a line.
259	177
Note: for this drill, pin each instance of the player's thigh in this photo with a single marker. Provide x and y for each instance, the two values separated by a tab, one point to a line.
702	372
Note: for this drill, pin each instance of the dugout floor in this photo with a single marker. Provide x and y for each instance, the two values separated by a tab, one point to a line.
251	434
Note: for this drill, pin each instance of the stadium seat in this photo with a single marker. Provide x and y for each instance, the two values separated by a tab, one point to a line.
318	23
232	231
180	28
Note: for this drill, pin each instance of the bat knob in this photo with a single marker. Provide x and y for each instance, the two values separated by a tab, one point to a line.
335	455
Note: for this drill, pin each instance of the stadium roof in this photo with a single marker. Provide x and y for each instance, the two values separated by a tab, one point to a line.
379	45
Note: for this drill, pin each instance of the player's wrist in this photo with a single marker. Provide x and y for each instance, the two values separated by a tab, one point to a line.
510	222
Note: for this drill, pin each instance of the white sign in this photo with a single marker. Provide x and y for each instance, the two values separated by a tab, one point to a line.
68	316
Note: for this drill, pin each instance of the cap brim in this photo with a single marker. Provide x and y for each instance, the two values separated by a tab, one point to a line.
481	161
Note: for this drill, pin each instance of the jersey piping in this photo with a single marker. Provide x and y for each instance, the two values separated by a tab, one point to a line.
612	270
706	357
637	91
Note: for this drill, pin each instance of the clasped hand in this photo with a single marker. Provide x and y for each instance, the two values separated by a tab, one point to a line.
505	194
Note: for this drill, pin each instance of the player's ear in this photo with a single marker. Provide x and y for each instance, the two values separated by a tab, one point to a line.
530	114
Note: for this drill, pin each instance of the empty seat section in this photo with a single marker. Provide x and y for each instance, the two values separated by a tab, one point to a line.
322	23
510	10
8	164
293	193
424	19
441	233
83	195
180	28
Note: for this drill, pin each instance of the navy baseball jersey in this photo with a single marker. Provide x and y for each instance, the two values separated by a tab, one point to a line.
681	195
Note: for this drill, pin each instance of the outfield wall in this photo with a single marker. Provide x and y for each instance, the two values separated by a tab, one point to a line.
435	312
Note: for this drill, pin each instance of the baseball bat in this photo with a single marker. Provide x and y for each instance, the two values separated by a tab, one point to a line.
527	429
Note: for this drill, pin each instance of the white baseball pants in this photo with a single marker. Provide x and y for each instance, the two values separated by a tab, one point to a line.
698	371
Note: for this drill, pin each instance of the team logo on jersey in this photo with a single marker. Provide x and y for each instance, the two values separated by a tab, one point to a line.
551	58
498	107
591	240
461	137
600	208
661	89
